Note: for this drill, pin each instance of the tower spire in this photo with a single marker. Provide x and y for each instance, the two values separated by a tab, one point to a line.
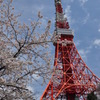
61	25
61	21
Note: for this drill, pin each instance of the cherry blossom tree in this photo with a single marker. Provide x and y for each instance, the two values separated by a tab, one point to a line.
23	53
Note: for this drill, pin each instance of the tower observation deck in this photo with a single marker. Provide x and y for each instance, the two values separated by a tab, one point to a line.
71	77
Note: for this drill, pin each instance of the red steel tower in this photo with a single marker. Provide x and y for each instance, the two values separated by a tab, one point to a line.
71	77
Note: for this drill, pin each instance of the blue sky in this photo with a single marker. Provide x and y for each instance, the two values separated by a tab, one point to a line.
84	19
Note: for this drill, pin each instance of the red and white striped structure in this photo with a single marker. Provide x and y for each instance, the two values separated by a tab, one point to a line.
71	78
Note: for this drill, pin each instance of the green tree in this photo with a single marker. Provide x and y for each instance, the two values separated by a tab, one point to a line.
91	96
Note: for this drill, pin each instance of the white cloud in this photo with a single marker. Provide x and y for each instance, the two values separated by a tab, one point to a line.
68	1
67	13
99	30
72	0
86	18
37	8
83	54
83	2
77	43
97	42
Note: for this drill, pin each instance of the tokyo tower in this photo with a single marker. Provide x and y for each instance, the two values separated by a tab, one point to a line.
71	78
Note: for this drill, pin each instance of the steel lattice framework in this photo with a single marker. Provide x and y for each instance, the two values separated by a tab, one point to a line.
71	76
